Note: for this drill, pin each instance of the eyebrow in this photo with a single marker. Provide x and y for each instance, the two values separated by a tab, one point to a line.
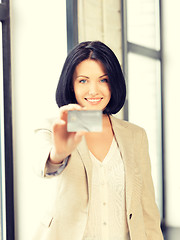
105	75
88	77
82	76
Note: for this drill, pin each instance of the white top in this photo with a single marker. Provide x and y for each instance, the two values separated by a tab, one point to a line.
107	211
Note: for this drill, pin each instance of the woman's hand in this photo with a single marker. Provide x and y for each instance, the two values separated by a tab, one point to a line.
64	142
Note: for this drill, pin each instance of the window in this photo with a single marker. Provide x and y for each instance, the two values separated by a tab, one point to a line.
143	70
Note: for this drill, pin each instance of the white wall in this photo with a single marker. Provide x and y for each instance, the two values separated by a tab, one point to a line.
38	52
171	41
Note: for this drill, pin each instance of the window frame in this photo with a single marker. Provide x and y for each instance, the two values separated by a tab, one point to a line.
8	222
130	47
72	24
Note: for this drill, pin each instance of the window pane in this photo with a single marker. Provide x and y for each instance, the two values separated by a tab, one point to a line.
145	109
143	22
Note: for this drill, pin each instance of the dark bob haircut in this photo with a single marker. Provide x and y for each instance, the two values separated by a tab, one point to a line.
97	51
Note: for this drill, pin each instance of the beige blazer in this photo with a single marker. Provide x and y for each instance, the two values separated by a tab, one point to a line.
68	217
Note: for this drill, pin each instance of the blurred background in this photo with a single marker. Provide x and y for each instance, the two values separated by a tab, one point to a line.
35	37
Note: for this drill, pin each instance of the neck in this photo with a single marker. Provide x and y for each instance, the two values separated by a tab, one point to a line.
105	120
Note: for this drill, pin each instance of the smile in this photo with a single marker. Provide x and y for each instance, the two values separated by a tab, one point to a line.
93	100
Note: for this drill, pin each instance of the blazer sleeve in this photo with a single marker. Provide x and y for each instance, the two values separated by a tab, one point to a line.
43	145
150	209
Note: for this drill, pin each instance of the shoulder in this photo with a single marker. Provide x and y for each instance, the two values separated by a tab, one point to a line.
125	124
44	124
128	129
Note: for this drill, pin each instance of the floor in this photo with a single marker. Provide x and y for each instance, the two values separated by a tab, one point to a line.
171	233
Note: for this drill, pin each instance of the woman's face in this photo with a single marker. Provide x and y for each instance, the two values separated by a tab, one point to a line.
91	85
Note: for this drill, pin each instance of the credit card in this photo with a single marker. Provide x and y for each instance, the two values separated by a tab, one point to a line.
85	120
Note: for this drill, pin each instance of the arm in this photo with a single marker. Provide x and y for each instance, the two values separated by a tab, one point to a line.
54	144
56	169
43	146
150	210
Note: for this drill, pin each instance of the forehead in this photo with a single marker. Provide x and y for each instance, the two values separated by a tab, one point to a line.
90	67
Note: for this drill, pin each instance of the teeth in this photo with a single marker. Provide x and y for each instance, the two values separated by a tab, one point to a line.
94	100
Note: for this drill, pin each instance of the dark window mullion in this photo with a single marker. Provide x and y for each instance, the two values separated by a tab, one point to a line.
72	24
8	146
125	52
144	51
3	12
162	119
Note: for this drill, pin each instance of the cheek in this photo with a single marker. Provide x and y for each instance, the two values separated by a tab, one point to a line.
107	91
79	93
75	89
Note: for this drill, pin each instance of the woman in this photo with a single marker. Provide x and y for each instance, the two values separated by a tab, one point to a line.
104	183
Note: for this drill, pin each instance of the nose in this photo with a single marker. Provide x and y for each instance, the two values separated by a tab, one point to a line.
93	89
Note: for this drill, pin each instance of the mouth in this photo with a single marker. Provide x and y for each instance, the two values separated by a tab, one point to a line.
94	100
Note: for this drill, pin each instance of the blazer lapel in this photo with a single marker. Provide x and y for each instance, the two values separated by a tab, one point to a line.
85	157
125	141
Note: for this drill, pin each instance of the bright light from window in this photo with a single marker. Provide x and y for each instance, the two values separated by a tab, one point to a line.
145	109
144	80
143	22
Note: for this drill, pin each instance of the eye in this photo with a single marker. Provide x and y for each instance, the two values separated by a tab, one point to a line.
82	81
104	80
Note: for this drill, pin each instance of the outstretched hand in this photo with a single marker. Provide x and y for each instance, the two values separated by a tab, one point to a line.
64	142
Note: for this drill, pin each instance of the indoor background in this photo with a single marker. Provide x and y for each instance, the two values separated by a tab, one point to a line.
145	36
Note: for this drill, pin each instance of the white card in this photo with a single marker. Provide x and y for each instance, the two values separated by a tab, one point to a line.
88	121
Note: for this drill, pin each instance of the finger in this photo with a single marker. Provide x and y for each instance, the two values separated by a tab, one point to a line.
59	122
84	108
69	107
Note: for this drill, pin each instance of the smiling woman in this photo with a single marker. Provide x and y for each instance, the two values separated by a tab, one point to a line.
104	183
